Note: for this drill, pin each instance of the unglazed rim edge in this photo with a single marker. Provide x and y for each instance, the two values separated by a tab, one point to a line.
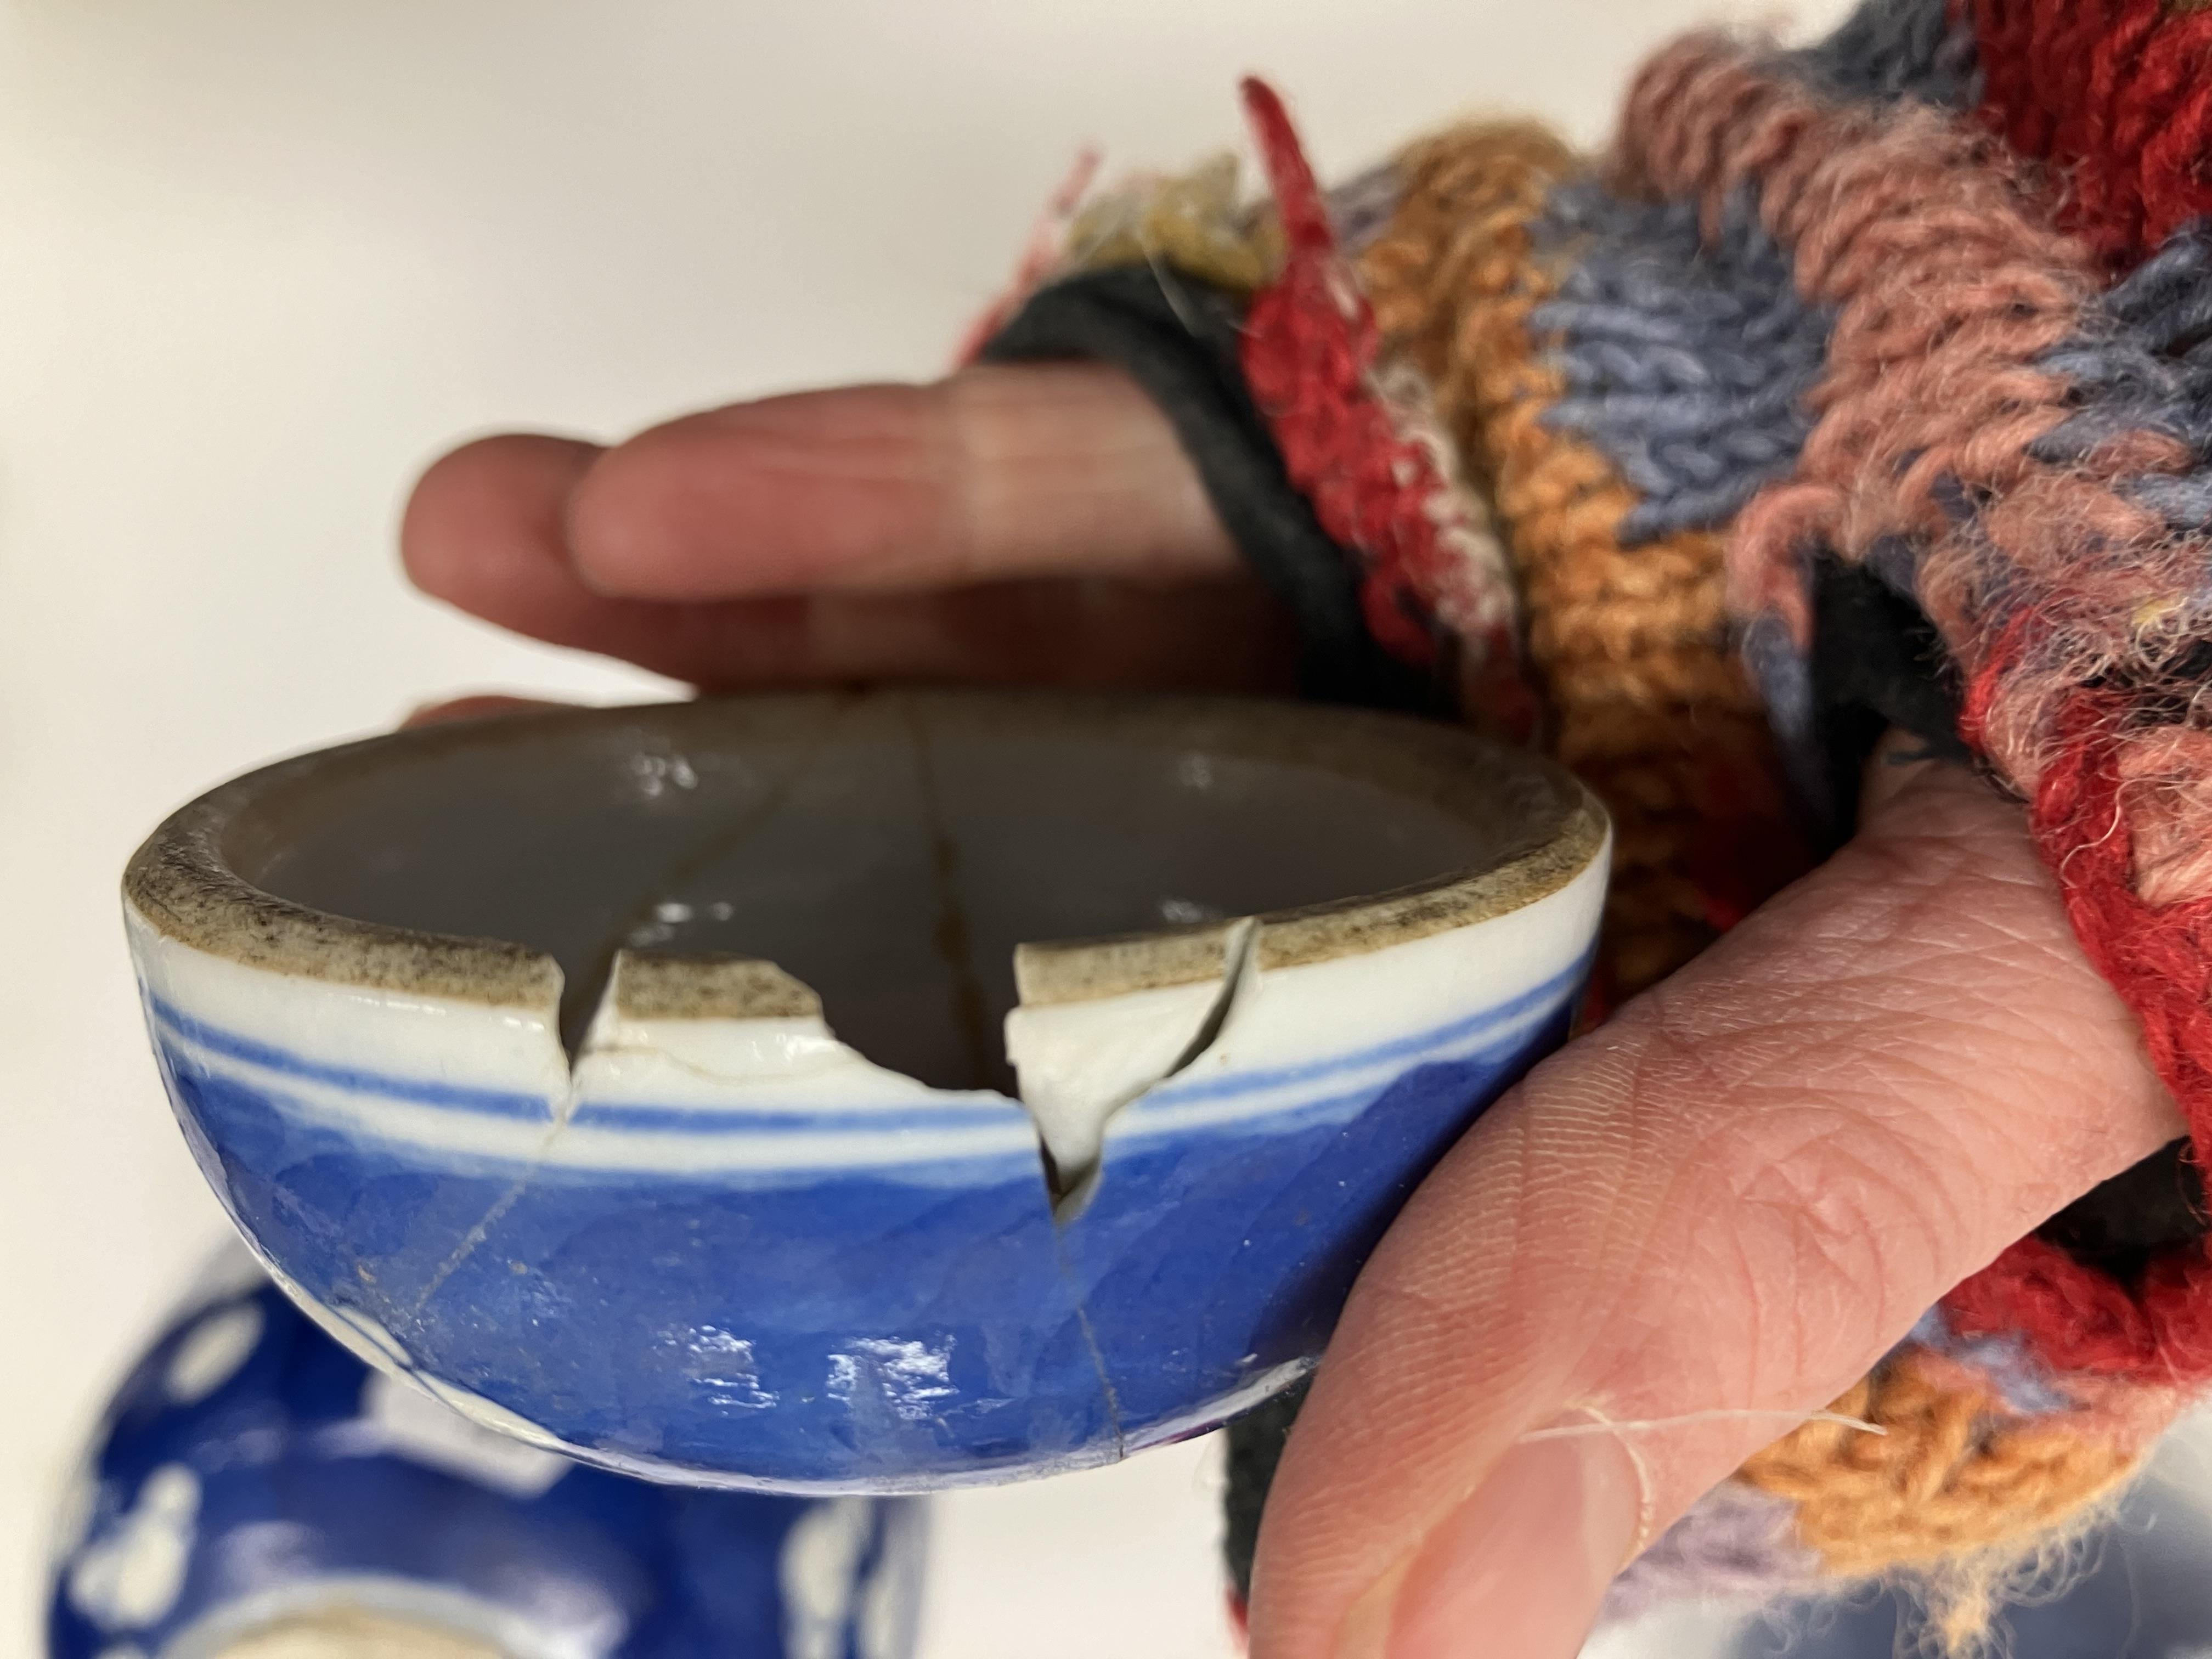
180	884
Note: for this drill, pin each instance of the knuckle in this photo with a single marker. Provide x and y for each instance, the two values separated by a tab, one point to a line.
1807	1198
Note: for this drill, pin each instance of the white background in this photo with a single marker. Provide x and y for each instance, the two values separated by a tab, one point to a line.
261	259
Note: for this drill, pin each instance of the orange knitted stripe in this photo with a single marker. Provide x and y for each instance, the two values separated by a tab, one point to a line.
1953	1474
1628	646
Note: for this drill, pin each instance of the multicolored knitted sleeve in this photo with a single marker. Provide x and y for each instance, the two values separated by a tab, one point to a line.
1862	385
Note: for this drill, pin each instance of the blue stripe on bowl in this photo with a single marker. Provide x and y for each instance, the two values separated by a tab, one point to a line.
1534	1002
706	1121
887	1121
492	1102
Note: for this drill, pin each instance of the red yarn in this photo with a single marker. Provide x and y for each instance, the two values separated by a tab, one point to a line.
2116	95
2076	1318
1310	345
2159	959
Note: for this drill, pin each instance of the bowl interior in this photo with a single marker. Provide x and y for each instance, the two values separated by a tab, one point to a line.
889	851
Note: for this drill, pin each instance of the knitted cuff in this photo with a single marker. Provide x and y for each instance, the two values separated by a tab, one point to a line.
1176	334
1812	408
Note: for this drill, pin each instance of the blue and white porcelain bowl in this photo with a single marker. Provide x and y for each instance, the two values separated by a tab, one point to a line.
866	1092
257	1492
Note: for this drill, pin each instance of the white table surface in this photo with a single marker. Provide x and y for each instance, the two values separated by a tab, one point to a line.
260	259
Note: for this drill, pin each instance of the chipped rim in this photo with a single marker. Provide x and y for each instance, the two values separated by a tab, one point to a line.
182	883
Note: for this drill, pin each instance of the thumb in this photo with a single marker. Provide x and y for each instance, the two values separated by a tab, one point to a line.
1723	1208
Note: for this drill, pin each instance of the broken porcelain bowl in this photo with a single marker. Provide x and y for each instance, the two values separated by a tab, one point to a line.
665	1086
255	1492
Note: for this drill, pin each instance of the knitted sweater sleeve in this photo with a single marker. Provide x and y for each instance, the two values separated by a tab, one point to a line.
1858	385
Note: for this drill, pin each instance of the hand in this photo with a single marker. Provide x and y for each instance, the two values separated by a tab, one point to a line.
1736	1195
1027	526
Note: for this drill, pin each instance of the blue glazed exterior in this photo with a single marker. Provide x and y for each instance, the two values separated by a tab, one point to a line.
1213	1261
599	1174
915	1322
250	1467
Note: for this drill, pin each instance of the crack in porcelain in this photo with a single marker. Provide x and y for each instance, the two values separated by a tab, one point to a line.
536	1179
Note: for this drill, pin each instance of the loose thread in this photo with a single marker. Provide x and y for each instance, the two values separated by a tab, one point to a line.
1610	1425
1645	1487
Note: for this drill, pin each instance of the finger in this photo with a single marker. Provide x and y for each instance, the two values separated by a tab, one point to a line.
997	474
1901	761
482	705
1736	1196
485	532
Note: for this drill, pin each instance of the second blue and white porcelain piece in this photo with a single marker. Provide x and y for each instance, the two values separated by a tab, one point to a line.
642	1082
255	1492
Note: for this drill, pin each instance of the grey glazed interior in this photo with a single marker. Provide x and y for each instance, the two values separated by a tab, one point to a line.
889	851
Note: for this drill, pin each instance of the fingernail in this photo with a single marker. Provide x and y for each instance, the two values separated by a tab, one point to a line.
1519	1570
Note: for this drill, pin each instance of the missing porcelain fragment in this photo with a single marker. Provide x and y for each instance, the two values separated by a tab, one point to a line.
1081	1059
1082	1063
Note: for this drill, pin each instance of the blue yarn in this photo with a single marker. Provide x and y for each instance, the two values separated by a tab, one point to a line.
2143	362
2005	1360
1895	560
1785	679
1686	362
1888	51
1361	208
